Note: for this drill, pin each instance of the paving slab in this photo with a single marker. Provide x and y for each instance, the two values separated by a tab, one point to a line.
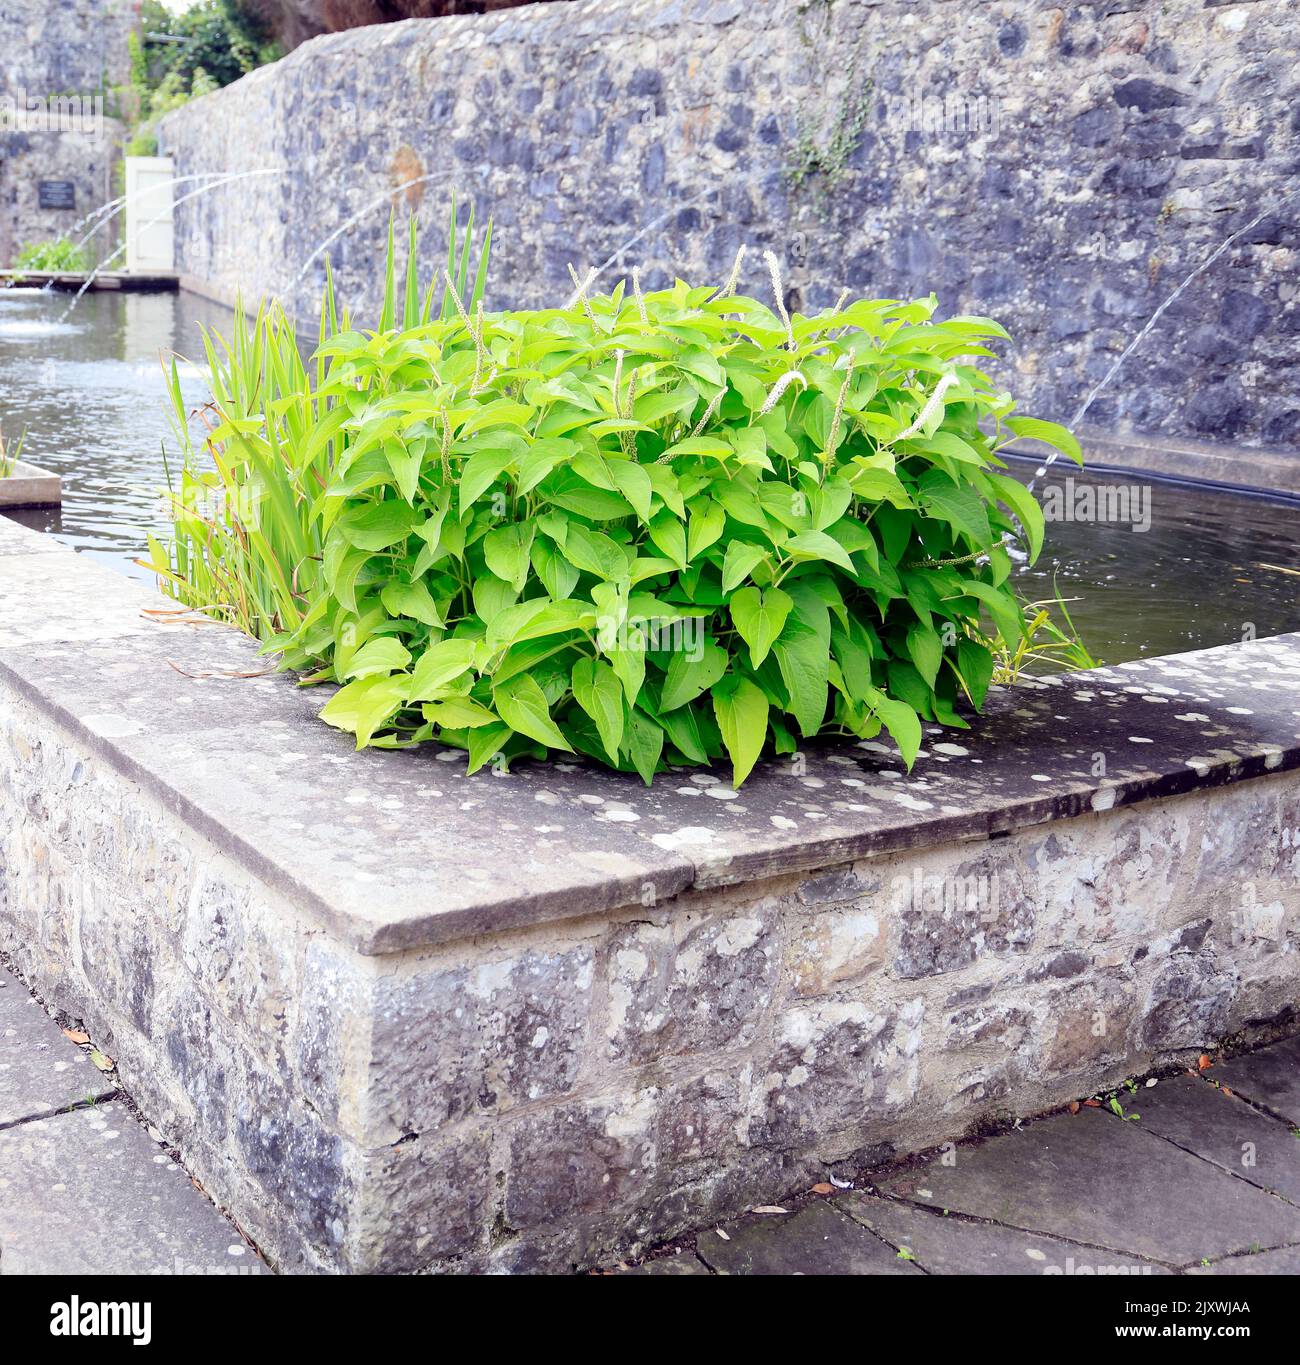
815	1241
41	1072
1223	1129
87	1192
1270	1077
951	1246
1091	1178
670	1265
1283	1261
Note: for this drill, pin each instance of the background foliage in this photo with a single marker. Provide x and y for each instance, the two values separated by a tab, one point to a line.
57	254
176	57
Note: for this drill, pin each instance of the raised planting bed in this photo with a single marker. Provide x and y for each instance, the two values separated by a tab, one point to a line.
27	485
401	1019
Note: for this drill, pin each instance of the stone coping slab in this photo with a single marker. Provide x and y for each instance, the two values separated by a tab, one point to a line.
30	486
73	281
394	850
1244	468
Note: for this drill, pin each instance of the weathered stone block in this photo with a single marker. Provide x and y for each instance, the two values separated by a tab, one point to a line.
1102	879
1190	1002
439	1191
1243	842
691	984
836	948
838	1071
842	884
954	906
1088	1024
451	1041
580	1159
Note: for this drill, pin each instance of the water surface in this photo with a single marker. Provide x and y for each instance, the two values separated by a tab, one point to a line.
1193	568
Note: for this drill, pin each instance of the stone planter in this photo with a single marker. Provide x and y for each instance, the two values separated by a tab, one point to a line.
401	1019
30	486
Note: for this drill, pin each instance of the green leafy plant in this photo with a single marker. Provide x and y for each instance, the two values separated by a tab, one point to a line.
58	254
10	453
654	529
1116	1107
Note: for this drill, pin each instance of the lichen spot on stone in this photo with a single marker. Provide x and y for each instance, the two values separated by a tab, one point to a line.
685	837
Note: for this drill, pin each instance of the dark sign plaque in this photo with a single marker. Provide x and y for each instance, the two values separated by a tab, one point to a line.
56	194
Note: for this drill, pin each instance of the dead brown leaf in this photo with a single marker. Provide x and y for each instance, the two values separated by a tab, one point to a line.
1203	1062
768	1208
823	1187
222	673
1074	1106
76	1035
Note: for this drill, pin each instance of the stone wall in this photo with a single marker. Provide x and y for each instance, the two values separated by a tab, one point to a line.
59	60
1059	167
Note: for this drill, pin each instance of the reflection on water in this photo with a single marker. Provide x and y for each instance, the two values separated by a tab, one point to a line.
89	391
1211	569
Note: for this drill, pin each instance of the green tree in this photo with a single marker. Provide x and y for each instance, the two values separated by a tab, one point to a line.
222	38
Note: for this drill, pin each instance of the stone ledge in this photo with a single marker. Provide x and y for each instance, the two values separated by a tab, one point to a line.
1254	469
30	486
392	850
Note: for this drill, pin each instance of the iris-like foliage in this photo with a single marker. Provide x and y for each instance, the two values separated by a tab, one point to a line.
10	453
655	529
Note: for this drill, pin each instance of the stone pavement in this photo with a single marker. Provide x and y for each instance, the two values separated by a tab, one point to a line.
1200	1175
84	1189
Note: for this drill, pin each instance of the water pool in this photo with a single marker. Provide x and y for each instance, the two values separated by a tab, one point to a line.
1147	567
89	392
